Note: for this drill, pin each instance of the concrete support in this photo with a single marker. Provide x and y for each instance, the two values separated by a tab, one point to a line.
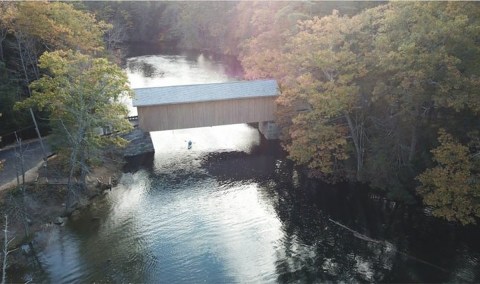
139	143
269	130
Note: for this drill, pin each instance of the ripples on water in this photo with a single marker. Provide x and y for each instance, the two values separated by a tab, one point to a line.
177	222
219	217
233	210
145	71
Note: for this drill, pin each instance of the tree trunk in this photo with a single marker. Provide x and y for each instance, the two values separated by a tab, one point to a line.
3	35
32	58
356	143
413	143
83	167
73	163
74	158
24	67
5	251
414	137
2	58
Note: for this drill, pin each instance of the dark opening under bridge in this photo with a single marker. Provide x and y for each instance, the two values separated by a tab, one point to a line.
203	105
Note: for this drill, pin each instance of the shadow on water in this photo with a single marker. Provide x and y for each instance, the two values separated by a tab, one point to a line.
138	162
260	164
234	209
338	233
341	233
344	233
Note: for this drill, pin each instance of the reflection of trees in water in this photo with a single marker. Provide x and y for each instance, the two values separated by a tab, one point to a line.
262	164
111	257
146	69
411	247
405	246
313	248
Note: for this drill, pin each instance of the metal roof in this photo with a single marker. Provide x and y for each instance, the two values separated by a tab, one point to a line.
204	92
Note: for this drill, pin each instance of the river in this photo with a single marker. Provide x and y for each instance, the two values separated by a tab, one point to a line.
233	209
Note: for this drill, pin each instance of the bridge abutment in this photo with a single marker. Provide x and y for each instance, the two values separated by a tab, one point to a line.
140	143
269	130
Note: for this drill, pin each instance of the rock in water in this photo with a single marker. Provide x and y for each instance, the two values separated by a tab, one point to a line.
59	221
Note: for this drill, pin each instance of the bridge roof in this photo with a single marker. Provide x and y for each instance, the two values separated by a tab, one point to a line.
204	92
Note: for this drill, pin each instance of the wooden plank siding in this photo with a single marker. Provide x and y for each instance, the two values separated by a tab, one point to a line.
203	114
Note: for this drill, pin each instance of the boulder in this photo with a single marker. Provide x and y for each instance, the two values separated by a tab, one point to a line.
59	221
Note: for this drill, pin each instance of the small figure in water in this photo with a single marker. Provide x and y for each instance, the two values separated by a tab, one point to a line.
189	144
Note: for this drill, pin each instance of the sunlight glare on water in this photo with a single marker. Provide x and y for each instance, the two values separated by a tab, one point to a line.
236	137
232	209
197	228
229	228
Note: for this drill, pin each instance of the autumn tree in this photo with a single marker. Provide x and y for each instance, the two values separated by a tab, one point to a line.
452	187
119	16
82	95
27	29
424	80
40	26
58	25
323	102
5	24
362	96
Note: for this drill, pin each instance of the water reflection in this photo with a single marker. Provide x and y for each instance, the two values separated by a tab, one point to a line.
145	69
169	70
233	209
317	249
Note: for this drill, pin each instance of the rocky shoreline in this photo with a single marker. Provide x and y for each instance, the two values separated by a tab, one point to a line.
41	207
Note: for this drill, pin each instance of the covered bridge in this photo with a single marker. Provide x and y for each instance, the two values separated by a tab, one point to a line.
189	106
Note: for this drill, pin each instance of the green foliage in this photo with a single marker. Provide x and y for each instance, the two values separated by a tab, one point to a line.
82	95
320	146
320	70
27	29
452	187
363	96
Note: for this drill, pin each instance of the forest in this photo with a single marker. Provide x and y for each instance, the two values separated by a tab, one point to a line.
378	93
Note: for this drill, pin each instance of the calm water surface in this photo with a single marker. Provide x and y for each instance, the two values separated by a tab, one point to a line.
233	210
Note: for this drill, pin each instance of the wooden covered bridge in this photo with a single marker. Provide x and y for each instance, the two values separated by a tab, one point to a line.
202	105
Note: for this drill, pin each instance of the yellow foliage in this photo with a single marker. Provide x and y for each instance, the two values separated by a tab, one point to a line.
57	25
452	187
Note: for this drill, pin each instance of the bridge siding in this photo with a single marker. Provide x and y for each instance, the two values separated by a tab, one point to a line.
202	114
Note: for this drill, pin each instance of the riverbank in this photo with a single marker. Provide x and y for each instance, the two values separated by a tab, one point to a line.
41	208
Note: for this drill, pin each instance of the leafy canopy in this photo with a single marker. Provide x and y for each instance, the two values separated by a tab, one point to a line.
363	96
452	187
82	95
57	25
